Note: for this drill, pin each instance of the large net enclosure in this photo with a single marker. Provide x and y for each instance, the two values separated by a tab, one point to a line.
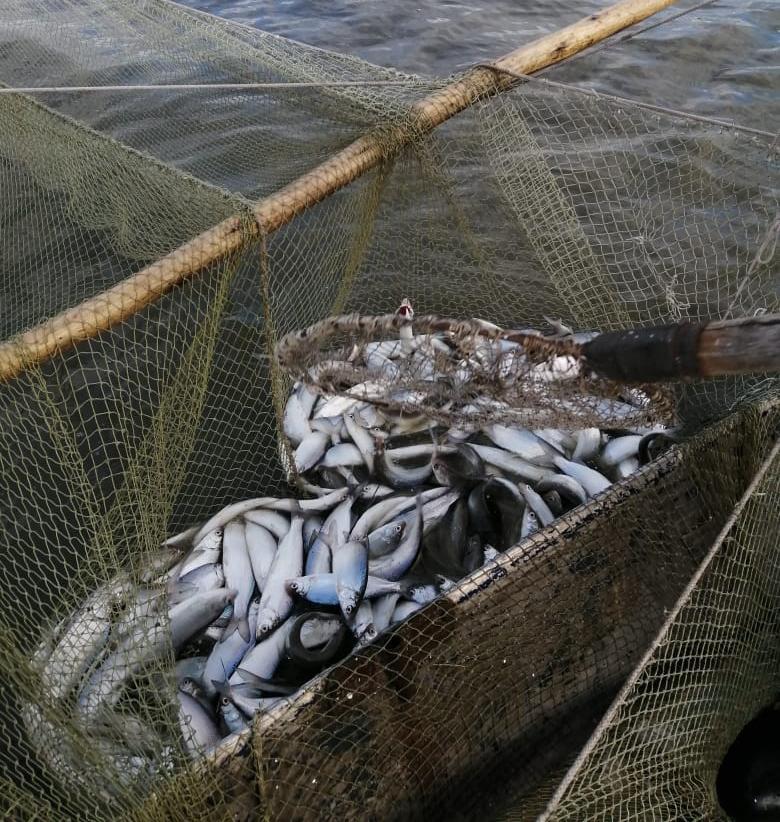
225	594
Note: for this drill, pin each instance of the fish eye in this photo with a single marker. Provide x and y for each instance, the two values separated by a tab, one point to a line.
225	701
348	609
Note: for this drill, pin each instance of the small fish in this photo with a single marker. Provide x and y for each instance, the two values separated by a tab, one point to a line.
191	668
385	539
462	468
539	507
203	578
395	475
588	444
295	422
238	575
625	468
512	464
310	451
227	654
592	481
525	444
361	437
261	547
395	565
231	716
566	486
206	552
619	449
350	567
403	610
345	454
383	607
362	625
198	730
276	601
264	658
278	524
321	589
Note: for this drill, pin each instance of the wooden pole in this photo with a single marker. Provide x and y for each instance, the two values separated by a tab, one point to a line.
128	297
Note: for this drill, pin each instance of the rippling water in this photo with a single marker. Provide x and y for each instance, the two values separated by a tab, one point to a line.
722	60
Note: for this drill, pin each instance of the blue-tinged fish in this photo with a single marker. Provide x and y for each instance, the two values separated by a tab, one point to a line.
350	567
227	654
276	601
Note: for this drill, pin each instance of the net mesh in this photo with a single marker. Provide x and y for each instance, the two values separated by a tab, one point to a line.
540	201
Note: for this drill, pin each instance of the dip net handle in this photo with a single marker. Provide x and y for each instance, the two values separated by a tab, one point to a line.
133	294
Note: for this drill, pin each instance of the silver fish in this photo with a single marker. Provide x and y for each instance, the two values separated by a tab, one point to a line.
183	539
264	658
343	454
310	451
191	668
202	579
278	524
232	717
334	407
261	546
362	626
311	525
512	464
83	638
206	552
332	426
350	566
189	617
198	730
536	504
403	610
588	444
383	607
592	481
361	437
619	449
625	468
395	474
385	539
395	565
566	486
320	589
145	603
295	422
529	523
238	575
524	444
388	509
227	654
276	601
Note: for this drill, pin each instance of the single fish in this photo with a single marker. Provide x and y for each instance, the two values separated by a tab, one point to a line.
514	465
182	540
276	601
543	514
192	615
350	567
345	454
191	668
625	468
321	589
388	509
206	552
262	547
383	608
592	481
295	422
566	486
238	575
227	654
462	468
395	565
385	539
335	407
363	440
362	626
202	579
83	638
198	730
525	444
403	610
278	524
619	449
395	475
588	444
231	716
310	451
264	658
318	558
145	603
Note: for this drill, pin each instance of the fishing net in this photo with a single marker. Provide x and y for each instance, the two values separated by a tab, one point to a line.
625	644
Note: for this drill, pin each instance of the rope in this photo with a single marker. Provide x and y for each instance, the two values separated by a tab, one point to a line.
209	86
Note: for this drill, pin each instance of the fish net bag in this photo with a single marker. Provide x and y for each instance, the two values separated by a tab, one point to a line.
599	668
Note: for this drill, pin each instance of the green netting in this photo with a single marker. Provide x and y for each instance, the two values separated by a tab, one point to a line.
541	201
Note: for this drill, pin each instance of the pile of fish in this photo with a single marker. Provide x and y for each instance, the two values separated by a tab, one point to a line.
269	591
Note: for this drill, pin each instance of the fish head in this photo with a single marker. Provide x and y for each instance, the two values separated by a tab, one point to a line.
349	599
267	621
296	586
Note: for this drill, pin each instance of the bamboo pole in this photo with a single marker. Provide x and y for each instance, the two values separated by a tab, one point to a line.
128	297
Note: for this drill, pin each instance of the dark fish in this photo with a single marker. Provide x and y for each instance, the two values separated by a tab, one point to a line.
298	652
458	468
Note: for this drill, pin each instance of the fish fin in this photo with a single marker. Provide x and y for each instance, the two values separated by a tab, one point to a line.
237	623
267	685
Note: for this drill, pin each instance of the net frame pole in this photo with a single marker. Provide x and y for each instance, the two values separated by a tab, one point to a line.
121	301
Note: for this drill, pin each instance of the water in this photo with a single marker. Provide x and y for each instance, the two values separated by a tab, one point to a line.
722	60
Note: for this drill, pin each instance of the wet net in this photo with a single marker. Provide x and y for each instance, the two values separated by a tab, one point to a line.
604	663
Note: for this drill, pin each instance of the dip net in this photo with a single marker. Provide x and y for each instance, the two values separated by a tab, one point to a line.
601	667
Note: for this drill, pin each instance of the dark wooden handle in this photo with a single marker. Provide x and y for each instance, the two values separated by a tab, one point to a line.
688	350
